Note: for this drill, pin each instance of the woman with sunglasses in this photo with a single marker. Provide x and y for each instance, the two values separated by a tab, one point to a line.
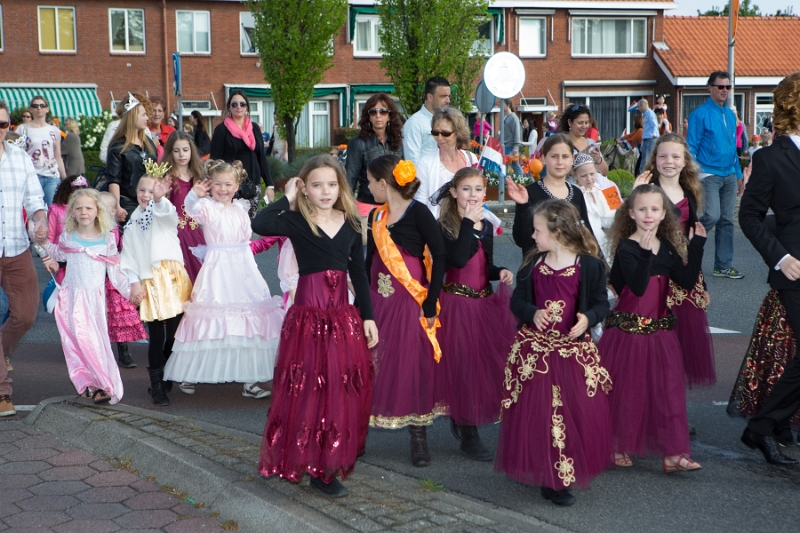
237	138
129	149
26	117
381	133
575	122
43	144
451	133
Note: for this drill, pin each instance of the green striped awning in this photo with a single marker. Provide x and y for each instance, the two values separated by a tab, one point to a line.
64	101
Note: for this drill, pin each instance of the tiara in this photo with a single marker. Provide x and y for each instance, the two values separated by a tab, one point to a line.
20	141
80	181
132	102
156	170
582	159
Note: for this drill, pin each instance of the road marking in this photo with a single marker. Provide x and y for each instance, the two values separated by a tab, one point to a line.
720	403
24	407
718	331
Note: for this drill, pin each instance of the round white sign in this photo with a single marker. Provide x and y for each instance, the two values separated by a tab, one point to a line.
504	75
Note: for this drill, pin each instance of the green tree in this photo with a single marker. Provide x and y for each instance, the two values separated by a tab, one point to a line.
746	9
295	41
425	38
788	12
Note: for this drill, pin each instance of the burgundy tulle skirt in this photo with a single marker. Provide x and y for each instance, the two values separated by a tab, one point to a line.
556	429
648	403
693	332
475	336
124	324
322	389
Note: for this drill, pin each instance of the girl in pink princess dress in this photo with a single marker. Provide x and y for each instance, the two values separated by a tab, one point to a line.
231	327
80	312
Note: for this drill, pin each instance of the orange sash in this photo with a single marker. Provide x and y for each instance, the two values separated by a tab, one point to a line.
394	262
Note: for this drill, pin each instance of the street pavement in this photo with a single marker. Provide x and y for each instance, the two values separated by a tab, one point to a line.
735	491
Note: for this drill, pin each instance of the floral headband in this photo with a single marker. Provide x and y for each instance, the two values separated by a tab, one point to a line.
80	181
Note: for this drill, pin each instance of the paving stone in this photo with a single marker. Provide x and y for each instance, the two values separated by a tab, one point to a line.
144	486
14	495
98	511
86	526
31	519
411	516
58	488
8	508
30	454
145	519
73	458
364	524
416	525
21	481
474	519
192	525
111	479
39	440
7	447
385	520
23	467
47	503
102	466
442	519
186	509
152	500
10	435
67	473
106	494
442	507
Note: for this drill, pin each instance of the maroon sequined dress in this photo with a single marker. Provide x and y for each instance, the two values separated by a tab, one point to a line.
322	389
556	429
477	329
124	323
190	233
691	324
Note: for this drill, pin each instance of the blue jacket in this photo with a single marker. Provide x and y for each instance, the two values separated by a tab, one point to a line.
712	139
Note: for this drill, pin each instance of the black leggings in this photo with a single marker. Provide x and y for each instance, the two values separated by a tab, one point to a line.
162	337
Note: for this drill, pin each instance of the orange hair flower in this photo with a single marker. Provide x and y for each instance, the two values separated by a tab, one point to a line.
342	147
404	173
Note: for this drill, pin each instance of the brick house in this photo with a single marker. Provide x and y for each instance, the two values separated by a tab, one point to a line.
762	59
85	54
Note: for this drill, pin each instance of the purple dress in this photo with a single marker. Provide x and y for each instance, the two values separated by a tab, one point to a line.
475	335
124	323
190	232
556	429
691	324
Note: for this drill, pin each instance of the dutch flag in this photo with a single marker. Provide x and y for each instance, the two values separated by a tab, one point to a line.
492	157
634	106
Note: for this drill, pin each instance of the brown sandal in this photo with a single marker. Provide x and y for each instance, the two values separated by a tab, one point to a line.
100	396
683	464
622	459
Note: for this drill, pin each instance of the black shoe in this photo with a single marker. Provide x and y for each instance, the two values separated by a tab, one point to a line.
471	445
419	446
768	445
334	489
125	359
785	438
168	386
692	430
558	497
158	393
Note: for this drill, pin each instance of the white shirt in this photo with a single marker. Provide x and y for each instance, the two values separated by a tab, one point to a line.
433	175
417	139
144	250
19	187
110	131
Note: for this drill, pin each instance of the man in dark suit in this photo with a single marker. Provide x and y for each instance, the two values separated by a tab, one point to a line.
774	185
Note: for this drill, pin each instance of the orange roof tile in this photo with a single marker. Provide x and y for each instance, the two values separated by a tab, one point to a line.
765	46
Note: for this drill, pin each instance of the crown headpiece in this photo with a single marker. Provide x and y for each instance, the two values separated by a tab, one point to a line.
80	181
156	170
132	102
582	159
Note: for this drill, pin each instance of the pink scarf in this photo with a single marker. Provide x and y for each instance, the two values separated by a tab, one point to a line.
244	133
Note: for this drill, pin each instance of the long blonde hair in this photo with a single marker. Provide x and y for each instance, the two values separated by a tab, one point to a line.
127	130
103	222
688	179
345	202
449	217
565	223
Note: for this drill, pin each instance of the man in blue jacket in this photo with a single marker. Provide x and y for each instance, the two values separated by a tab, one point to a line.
712	142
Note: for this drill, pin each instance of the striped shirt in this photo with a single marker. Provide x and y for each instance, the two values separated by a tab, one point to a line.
19	187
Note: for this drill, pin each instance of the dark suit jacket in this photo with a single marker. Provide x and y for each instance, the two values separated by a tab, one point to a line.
774	184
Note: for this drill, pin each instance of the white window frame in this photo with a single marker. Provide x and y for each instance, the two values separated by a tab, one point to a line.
58	49
372	52
314	113
127	43
241	35
631	20
194	32
544	36
762	109
492	37
1	29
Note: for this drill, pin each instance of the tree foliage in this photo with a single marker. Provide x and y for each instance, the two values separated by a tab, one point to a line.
788	12
295	41
425	38
746	9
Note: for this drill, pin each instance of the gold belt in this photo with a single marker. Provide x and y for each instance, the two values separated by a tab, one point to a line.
466	290
638	324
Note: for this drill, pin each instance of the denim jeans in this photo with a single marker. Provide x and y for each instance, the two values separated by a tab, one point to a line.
509	150
3	307
720	200
647	150
49	186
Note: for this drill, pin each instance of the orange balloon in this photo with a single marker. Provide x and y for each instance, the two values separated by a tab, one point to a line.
535	166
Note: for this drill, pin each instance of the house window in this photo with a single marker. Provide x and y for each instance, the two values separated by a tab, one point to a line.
57	29
611	113
484	44
194	32
693	101
247	26
532	37
765	105
609	37
367	41
127	30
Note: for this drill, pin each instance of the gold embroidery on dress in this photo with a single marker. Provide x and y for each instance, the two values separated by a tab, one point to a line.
676	295
385	288
397	422
556	310
564	465
184	219
568	272
544	269
465	290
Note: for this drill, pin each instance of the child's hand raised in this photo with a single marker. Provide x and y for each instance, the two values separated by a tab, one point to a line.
580	326
474	212
201	188
291	189
698	229
541	319
646	242
642	179
516	192
159	190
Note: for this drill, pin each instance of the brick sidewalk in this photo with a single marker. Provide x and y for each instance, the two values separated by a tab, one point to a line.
49	486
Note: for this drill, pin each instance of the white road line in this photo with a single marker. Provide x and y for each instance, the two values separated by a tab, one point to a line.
24	407
718	331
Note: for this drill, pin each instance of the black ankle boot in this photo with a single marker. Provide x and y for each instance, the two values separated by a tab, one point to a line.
156	389
471	445
419	446
125	359
559	497
334	489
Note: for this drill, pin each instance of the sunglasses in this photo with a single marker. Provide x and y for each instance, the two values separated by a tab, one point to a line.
26	116
4	125
723	87
436	133
378	111
38	106
238	104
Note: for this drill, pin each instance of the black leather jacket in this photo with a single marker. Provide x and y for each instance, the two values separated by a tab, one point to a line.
359	153
125	168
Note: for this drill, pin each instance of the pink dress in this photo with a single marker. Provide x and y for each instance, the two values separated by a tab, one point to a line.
190	233
56	220
80	311
124	323
231	327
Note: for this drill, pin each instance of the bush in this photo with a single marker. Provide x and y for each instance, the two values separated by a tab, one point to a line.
343	135
303	155
277	169
623	179
93	129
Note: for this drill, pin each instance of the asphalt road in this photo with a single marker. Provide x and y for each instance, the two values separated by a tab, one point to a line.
735	491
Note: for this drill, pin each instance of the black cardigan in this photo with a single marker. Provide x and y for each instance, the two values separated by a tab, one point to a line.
633	265
460	251
593	296
228	148
203	142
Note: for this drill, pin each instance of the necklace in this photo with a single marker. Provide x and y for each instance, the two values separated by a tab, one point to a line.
548	193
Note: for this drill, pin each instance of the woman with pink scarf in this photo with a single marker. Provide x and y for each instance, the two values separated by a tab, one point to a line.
239	139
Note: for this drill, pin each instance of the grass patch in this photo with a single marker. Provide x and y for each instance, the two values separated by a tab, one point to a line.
174	491
230	525
429	485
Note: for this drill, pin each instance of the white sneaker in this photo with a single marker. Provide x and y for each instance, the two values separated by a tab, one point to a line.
186	387
254	391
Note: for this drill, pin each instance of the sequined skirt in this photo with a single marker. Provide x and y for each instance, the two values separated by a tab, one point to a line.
167	291
124	324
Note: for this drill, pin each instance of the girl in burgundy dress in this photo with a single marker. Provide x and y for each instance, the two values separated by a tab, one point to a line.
556	429
473	358
406	261
639	346
185	169
669	170
322	389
